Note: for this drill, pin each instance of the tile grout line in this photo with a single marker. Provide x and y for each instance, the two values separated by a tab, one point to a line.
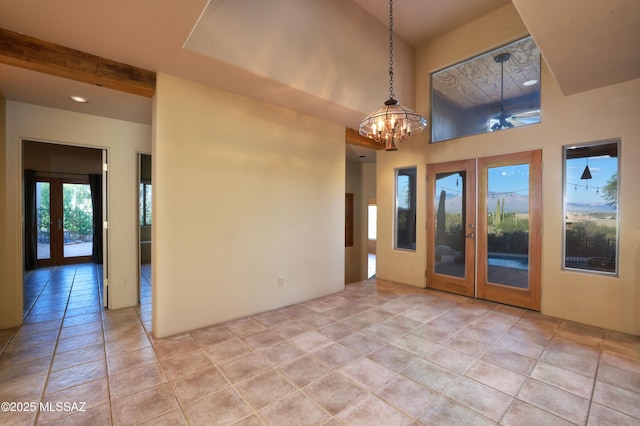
365	332
99	284
316	328
538	360
461	375
595	380
24	315
49	371
55	346
169	382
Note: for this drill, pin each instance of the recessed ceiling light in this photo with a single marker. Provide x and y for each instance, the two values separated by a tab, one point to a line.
79	99
530	82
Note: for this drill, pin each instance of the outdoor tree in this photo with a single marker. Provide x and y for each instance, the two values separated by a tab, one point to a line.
77	210
44	208
610	191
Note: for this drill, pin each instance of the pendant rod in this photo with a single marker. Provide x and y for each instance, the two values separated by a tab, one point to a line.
391	95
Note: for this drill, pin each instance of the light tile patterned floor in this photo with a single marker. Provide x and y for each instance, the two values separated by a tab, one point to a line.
376	354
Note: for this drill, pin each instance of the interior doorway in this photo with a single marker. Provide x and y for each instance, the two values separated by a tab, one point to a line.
372	227
145	224
484	239
64	209
63	193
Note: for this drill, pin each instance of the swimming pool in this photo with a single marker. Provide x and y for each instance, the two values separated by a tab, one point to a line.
517	261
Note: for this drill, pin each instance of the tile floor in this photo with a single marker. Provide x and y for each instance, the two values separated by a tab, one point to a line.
377	353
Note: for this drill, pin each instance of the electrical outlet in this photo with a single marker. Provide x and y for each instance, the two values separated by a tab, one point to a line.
281	282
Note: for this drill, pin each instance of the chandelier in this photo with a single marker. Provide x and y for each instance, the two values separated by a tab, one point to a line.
391	123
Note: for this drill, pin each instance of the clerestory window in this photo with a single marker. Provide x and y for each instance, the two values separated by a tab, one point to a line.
495	91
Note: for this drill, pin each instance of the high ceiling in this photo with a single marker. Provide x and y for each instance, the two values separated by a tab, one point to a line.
418	21
151	34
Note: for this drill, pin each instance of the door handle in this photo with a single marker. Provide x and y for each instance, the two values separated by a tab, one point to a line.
471	235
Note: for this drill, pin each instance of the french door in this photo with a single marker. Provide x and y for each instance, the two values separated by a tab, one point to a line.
64	221
484	240
451	219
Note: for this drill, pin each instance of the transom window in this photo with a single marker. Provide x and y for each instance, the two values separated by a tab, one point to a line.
495	91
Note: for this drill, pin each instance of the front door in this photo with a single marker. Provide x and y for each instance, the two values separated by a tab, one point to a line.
497	256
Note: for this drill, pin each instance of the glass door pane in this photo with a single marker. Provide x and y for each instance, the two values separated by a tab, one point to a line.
508	225
43	213
450	224
451	216
77	219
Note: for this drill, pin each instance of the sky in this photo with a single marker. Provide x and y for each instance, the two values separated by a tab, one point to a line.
502	181
507	179
589	191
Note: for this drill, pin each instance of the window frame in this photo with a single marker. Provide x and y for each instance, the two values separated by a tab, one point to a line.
565	212
525	103
412	207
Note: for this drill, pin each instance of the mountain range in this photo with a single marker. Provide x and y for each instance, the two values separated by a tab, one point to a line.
520	204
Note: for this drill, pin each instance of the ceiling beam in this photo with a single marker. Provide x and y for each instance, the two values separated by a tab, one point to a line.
42	56
353	137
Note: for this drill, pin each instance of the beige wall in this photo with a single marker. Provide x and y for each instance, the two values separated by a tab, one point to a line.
10	300
353	271
331	50
606	113
48	157
244	193
122	140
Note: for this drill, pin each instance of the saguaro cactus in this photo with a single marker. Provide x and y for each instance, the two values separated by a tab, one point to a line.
498	215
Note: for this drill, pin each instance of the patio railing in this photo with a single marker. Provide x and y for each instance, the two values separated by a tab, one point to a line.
581	250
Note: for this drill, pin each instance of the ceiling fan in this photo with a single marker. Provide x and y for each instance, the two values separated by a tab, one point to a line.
503	115
526	117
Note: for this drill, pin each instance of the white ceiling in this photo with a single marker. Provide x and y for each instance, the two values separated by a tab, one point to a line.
32	87
160	28
587	44
418	21
151	34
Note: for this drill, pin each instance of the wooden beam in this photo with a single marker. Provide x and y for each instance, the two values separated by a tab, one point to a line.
42	56
353	137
